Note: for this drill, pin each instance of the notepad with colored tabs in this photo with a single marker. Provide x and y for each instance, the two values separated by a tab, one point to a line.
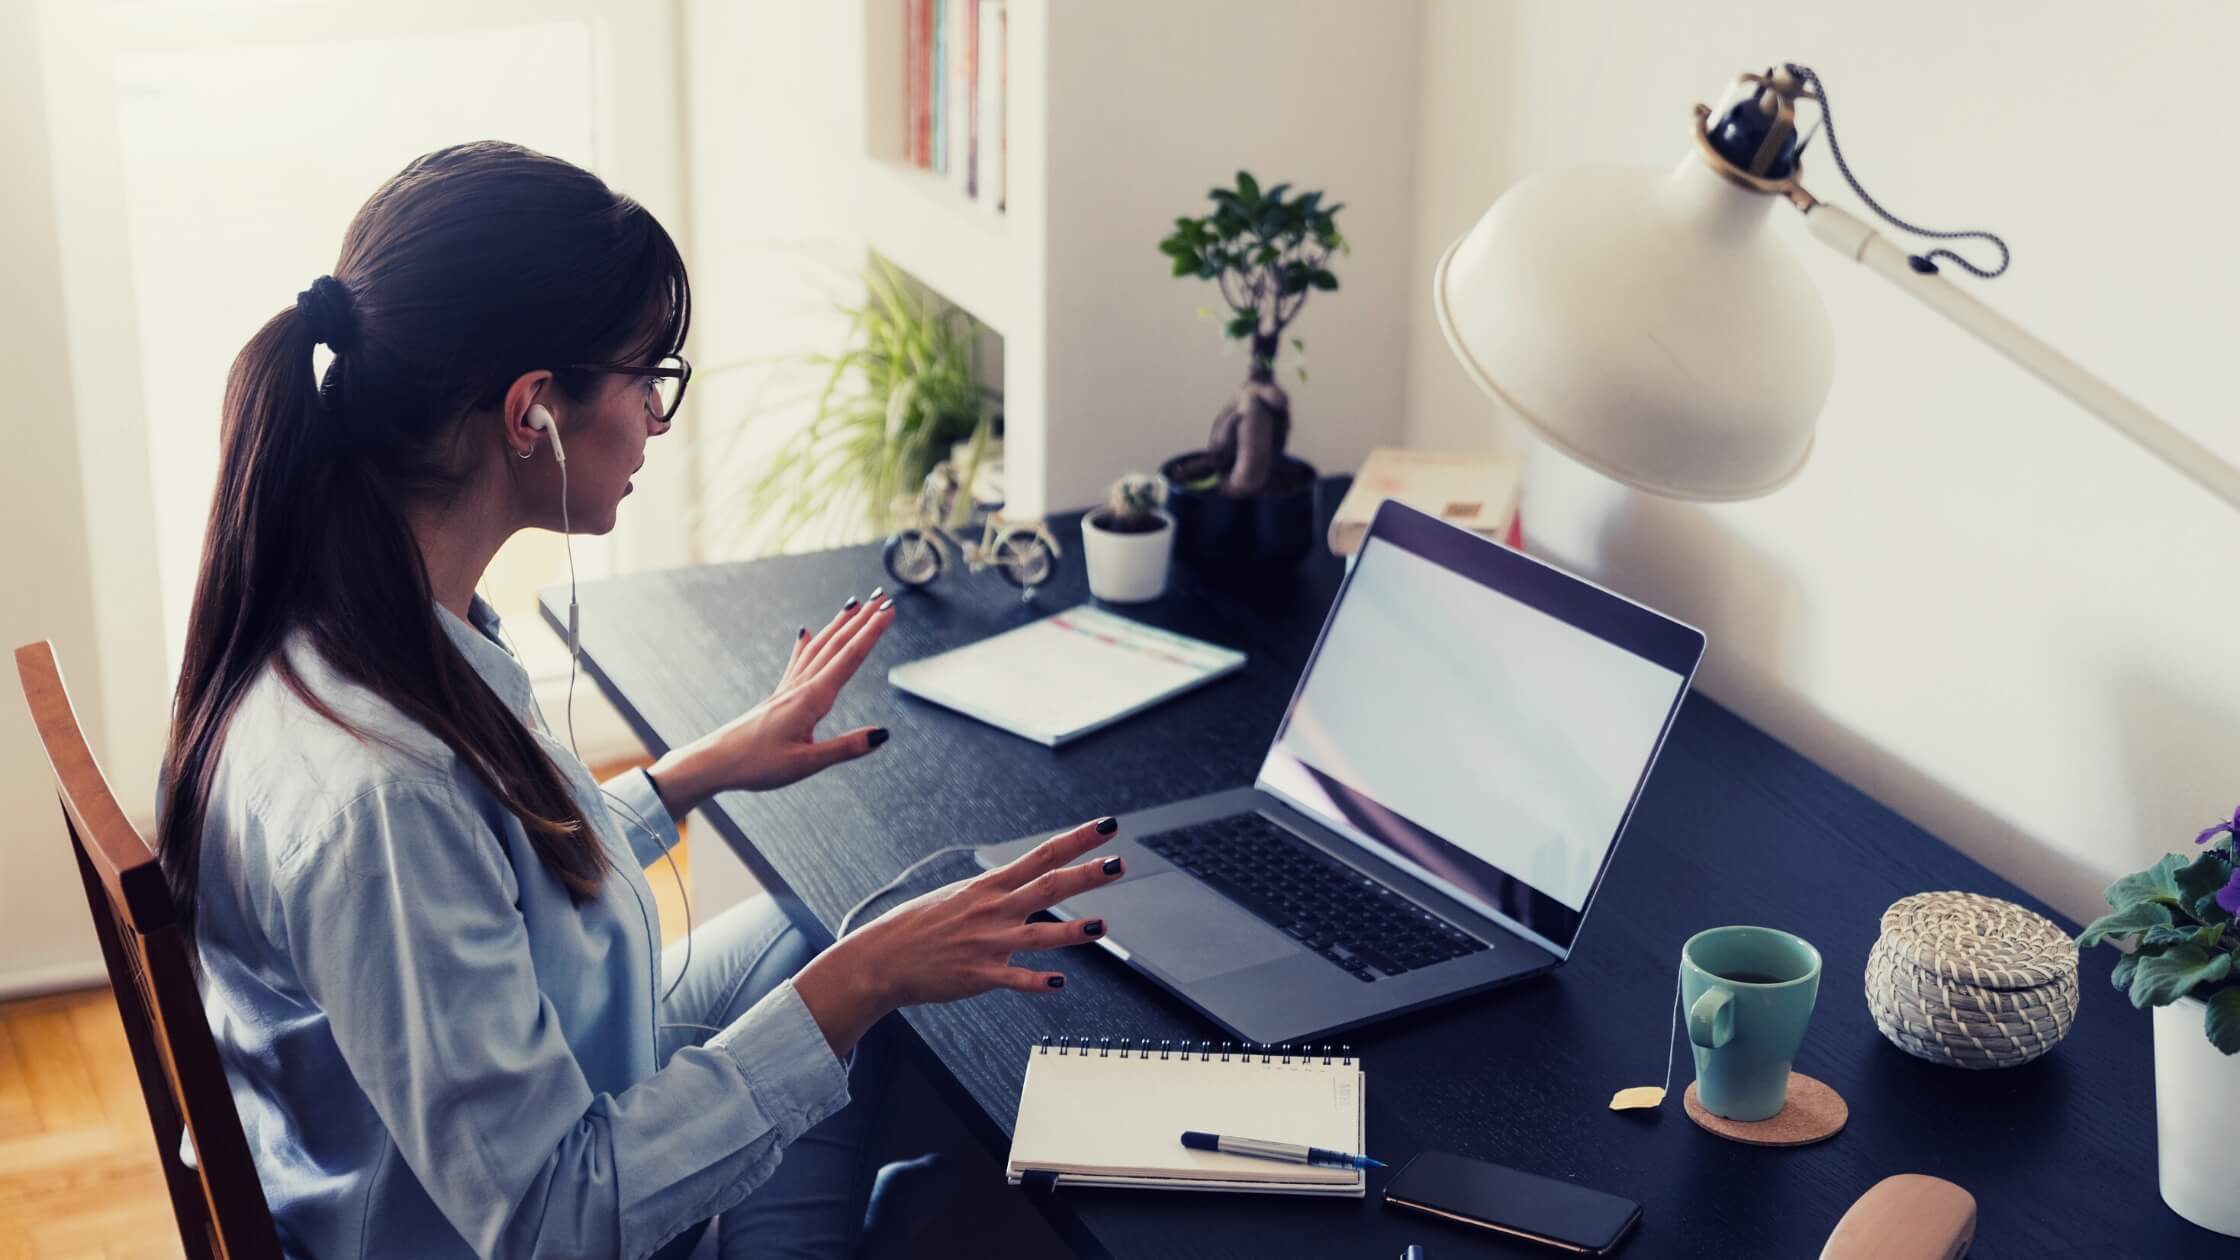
1113	1114
1066	675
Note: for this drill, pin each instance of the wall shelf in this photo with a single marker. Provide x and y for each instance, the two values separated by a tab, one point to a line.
952	244
1112	128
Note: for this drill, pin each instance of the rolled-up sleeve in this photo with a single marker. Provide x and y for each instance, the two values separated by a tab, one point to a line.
640	815
403	922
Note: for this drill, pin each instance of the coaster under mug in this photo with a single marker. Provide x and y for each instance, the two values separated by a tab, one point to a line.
1812	1112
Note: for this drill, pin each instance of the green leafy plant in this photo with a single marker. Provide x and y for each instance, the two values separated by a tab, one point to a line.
1267	251
2180	913
895	399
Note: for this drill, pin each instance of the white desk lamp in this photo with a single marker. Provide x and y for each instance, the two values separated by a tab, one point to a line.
1650	327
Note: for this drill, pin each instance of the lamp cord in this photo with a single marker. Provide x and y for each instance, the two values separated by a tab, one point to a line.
1921	262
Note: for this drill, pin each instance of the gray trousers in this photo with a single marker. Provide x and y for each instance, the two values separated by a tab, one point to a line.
814	1204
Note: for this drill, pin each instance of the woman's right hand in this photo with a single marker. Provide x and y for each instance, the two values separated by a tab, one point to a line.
957	941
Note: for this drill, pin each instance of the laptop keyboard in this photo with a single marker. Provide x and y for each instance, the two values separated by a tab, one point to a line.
1348	918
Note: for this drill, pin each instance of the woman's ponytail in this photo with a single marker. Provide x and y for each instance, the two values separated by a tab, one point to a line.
271	455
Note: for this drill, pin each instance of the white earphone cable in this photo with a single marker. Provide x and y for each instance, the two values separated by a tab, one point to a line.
575	653
674	873
847	921
567	543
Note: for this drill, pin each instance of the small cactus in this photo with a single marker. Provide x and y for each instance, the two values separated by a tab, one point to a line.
1132	505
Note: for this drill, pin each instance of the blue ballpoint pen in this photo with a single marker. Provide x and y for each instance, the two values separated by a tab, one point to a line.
1289	1152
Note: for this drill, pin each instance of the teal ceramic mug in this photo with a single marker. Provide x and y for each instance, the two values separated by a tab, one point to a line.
1748	994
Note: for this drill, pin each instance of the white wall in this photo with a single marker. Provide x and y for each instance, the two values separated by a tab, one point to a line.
1316	93
119	512
773	99
1977	603
46	936
774	108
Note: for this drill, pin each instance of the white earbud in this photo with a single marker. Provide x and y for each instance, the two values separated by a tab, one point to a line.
540	419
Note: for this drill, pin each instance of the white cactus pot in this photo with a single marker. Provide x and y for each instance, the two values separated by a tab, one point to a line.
1127	568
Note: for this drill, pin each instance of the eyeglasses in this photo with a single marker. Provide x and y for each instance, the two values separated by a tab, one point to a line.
663	382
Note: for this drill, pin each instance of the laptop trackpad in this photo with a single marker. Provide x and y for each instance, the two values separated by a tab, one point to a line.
1182	927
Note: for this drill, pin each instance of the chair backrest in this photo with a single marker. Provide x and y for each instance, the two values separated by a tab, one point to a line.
220	1205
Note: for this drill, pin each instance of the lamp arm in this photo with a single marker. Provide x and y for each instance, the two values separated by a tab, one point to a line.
1857	240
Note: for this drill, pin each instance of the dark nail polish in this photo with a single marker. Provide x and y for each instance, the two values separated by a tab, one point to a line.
1094	927
1113	866
804	633
885	604
850	606
1106	826
1056	982
877	591
879	736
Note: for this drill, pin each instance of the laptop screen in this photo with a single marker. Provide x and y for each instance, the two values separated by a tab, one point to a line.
1482	718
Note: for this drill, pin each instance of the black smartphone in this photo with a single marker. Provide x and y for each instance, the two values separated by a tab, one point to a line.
1506	1201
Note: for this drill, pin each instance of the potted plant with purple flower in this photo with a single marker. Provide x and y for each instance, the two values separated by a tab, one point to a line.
2183	916
1242	506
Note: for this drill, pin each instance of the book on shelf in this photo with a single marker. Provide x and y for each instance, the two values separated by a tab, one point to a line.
956	89
993	70
960	94
938	86
1477	492
972	99
919	60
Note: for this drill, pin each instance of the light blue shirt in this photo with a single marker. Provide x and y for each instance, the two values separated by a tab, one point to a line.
434	1050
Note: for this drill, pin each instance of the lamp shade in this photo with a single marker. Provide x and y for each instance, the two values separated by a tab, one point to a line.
1647	325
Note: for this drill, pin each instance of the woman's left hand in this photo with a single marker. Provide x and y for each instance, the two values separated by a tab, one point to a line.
775	743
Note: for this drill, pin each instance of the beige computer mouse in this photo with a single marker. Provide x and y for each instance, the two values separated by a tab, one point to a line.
1906	1217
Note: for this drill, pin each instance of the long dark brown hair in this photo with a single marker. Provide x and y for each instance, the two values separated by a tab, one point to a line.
472	266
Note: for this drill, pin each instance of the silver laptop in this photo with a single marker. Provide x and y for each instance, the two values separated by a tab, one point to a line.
1437	810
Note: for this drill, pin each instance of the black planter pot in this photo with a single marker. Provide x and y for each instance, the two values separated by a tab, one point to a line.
1263	537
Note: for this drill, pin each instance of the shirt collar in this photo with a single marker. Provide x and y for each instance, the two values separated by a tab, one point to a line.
485	650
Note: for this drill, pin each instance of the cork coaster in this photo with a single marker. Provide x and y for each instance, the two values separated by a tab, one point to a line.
1813	1113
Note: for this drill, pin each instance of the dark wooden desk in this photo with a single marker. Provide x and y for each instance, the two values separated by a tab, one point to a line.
1733	828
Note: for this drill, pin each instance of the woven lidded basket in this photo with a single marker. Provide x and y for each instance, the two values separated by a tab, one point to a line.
1971	981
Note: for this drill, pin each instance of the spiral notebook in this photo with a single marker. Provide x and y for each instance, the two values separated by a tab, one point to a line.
1112	1113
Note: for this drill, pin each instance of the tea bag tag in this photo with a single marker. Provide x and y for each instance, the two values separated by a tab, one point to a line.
1650	1097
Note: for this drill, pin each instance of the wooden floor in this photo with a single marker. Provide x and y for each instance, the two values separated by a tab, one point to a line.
78	1171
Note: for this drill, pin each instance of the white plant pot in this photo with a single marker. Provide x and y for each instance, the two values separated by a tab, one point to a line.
1127	568
2197	1097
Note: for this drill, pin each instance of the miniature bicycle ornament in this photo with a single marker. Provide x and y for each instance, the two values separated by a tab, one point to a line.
1025	554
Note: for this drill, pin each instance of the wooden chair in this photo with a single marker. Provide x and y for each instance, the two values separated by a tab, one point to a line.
220	1206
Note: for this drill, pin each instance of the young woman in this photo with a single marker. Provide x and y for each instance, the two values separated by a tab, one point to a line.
426	945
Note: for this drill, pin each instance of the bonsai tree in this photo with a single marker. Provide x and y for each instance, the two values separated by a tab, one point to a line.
1266	251
2182	913
1132	506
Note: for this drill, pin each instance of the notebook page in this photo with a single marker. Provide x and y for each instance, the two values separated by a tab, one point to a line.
1084	1113
1064	673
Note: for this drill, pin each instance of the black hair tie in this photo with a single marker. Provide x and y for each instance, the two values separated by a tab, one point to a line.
329	313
